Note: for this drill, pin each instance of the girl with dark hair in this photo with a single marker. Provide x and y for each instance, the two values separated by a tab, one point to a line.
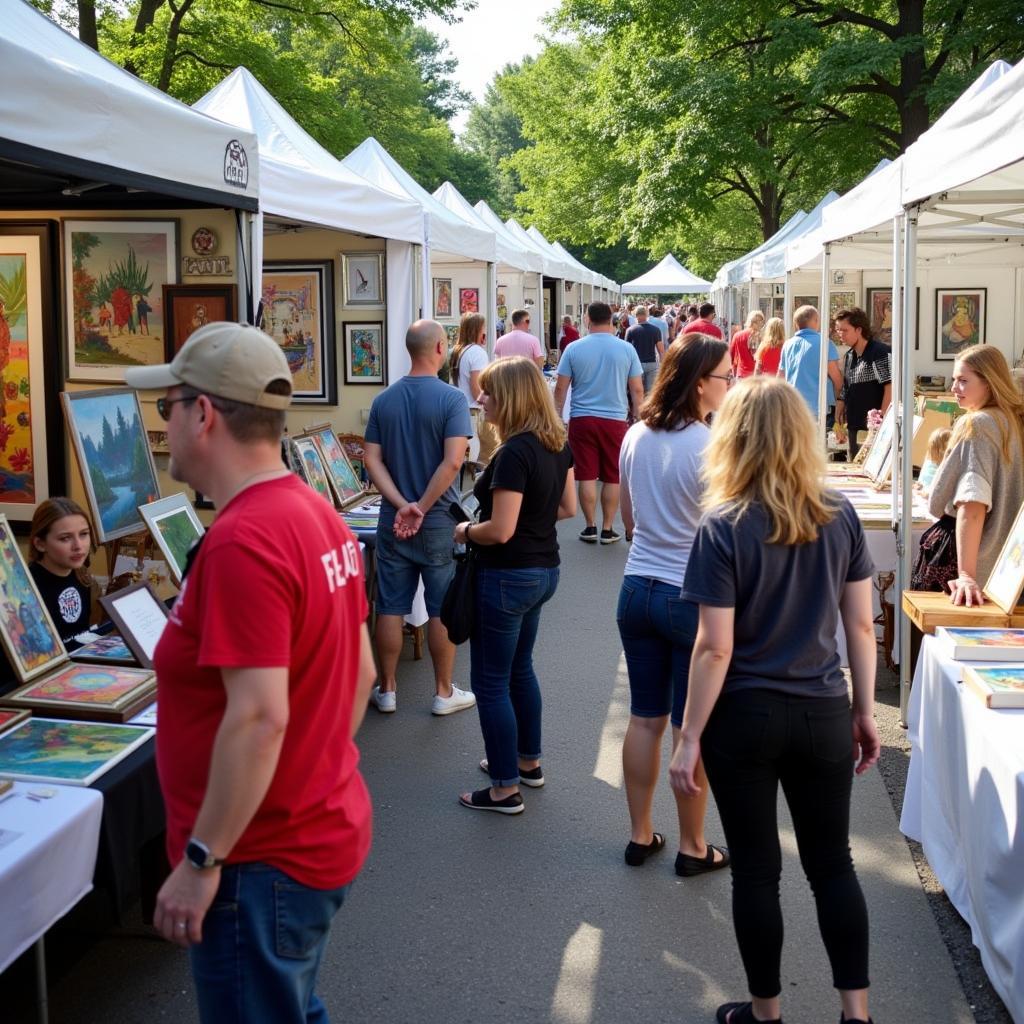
659	470
60	542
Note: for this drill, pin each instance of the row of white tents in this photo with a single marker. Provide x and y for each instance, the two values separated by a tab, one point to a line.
68	114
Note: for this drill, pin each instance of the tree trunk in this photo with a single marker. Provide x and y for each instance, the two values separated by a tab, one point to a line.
913	105
147	12
769	209
171	46
87	24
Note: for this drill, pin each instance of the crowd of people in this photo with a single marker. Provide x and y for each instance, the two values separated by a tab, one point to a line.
741	562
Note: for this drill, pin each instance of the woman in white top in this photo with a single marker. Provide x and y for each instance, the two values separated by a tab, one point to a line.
468	359
659	467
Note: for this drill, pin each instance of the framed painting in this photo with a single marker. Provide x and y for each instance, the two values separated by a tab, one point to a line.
452	334
469	300
140	617
442	298
959	320
114	456
879	303
362	276
364	353
105	650
346	485
297	311
878	458
838	300
88	691
9	718
1006	580
32	642
66	753
31	435
175	527
114	274
313	470
187	307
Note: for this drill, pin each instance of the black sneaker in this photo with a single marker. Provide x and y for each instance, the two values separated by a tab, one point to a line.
610	537
589	535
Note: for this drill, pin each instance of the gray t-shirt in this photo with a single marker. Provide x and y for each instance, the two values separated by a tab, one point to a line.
974	470
411	420
786	597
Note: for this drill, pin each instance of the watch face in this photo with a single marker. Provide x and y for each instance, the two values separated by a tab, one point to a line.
197	854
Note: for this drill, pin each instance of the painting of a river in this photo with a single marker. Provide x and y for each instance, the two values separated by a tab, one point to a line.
113	454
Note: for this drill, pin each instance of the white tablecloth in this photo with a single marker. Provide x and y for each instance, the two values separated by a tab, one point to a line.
965	804
47	859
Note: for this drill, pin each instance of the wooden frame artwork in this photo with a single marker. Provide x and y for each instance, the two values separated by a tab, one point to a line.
442	298
92	692
874	464
1006	580
960	315
109	649
9	718
345	483
297	311
879	311
313	469
114	273
175	527
469	300
365	353
187	307
113	453
362	278
140	617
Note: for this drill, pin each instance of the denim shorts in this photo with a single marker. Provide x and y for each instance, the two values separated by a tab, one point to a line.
401	563
658	630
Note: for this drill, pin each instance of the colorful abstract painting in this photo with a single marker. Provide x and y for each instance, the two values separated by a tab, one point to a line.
114	274
110	648
298	313
343	478
313	467
86	684
469	300
72	753
364	353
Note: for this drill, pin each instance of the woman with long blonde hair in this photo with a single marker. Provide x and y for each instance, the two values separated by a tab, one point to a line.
979	488
525	490
745	343
768	353
776	559
467	361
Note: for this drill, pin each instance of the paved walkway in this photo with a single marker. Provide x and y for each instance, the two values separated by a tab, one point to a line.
469	918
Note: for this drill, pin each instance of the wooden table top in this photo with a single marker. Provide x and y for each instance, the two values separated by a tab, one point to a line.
928	609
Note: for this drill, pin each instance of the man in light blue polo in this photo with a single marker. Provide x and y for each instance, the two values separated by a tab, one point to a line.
603	371
801	359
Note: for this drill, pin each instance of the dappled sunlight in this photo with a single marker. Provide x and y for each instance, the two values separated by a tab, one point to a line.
608	767
711	993
868	856
573	1001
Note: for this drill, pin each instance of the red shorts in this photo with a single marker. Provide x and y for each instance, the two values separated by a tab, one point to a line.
595	444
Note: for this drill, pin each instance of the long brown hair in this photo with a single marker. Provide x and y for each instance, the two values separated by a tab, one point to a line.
46	514
470	327
674	400
522	401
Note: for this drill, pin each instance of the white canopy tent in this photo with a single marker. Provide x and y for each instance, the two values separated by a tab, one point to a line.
302	182
551	264
669	277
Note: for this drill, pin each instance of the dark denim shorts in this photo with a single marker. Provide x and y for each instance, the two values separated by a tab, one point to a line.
401	564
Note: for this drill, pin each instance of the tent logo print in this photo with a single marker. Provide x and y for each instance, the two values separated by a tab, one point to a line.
236	165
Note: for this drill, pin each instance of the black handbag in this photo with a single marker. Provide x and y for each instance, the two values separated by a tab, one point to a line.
936	560
458	607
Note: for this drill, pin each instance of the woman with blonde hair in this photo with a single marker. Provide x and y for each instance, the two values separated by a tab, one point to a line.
467	362
526	489
745	343
776	559
979	487
768	353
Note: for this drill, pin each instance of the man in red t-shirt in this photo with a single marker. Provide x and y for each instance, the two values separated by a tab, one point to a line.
703	324
263	675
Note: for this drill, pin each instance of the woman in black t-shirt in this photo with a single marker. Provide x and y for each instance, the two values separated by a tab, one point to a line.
527	487
60	542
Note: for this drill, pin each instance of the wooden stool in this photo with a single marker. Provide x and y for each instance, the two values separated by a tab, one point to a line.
886	618
417	633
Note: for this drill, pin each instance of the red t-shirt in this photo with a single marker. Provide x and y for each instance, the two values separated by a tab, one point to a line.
703	327
569	335
277	582
770	359
740	354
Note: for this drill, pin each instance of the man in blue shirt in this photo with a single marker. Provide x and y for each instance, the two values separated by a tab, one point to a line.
602	370
415	445
801	360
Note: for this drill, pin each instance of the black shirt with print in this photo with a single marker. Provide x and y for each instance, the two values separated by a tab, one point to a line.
66	599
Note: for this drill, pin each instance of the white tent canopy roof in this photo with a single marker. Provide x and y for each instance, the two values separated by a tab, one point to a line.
569	271
733	273
589	276
65	108
551	265
300	179
510	251
448	233
669	277
770	263
534	259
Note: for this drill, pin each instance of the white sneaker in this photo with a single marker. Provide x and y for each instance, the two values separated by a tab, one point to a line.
385	703
458	701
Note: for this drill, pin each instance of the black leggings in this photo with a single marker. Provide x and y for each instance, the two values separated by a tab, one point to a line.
754	740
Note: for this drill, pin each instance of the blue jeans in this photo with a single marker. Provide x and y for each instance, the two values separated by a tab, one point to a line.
508	604
658	630
263	939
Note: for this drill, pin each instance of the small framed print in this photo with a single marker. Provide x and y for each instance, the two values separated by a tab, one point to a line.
175	527
364	353
442	298
837	300
187	307
1006	580
140	617
469	300
959	320
363	278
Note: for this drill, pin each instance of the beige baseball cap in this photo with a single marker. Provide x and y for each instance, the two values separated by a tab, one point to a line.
234	361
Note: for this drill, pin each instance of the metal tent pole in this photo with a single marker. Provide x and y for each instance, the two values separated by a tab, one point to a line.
826	254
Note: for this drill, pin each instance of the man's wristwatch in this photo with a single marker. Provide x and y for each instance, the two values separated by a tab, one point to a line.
198	854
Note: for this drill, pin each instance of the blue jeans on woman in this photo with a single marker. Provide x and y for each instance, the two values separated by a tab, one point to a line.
508	604
263	938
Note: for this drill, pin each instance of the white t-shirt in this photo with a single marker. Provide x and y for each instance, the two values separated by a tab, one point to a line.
662	470
473	359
